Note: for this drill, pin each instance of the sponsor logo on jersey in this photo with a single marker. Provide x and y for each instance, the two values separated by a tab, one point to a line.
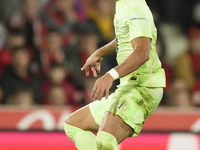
138	18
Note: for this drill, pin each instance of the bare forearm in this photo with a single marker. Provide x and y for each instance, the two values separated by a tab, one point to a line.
108	49
132	63
140	54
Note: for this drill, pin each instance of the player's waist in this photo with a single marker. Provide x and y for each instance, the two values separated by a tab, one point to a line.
157	79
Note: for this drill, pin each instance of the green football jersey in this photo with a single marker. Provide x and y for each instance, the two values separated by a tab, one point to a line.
134	19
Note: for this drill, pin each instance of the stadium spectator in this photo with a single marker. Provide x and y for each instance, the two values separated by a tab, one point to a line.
16	37
53	51
64	16
17	75
189	69
187	65
29	18
102	14
23	97
57	96
58	78
179	95
70	56
64	10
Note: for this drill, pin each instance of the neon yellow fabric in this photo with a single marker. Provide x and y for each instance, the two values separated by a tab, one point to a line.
106	141
134	19
132	103
84	140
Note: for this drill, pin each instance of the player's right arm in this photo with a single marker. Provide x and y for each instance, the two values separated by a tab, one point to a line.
108	49
94	61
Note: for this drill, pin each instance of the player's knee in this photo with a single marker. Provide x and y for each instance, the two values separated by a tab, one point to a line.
106	141
74	122
67	120
69	127
70	120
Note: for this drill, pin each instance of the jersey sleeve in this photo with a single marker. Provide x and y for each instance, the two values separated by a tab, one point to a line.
139	22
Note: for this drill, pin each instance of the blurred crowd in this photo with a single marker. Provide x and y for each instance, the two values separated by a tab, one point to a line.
44	44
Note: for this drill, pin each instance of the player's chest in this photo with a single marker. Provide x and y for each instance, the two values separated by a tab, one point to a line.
120	24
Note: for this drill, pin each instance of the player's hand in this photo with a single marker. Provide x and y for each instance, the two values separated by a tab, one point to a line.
94	62
102	87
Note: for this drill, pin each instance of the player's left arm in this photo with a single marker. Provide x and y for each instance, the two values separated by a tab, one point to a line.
140	54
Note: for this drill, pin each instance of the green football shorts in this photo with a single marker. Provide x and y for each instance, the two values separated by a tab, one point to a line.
132	103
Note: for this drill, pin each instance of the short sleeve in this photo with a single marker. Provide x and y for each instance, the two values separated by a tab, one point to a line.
139	22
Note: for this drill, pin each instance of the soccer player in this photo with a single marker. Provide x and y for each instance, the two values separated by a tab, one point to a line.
142	79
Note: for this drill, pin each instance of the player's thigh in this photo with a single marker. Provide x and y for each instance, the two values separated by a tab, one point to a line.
114	125
83	119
